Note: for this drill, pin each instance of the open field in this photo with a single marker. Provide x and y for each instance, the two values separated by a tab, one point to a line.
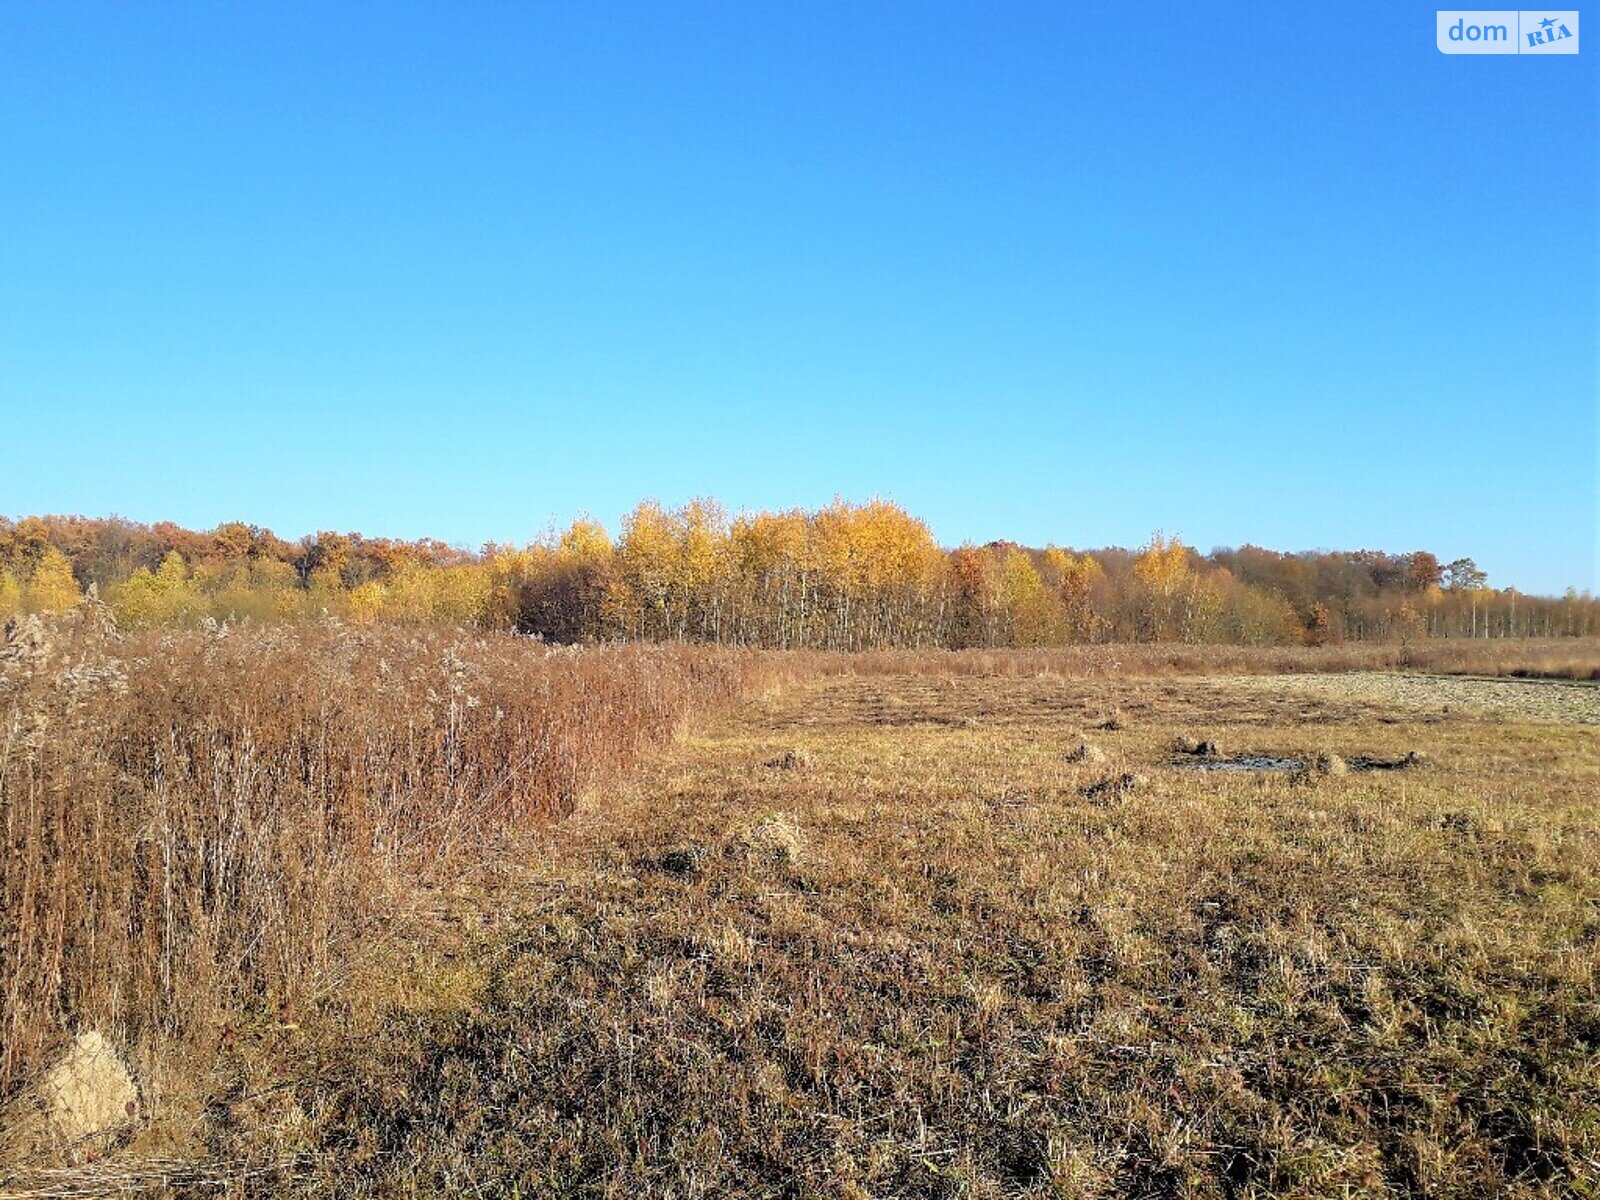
873	932
918	960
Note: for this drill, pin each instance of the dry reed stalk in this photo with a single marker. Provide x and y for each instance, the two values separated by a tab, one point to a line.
202	822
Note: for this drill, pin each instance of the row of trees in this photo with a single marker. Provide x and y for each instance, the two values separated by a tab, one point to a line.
844	577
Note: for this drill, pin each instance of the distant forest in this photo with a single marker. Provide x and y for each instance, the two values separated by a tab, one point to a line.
843	577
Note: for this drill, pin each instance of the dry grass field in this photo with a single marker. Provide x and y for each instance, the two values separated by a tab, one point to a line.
879	936
887	932
201	825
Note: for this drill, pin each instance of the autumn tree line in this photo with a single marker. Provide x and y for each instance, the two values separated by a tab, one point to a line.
849	576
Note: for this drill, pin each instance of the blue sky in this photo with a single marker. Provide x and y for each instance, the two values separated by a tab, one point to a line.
1266	273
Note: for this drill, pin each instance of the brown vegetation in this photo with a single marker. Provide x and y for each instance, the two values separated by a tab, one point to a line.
984	977
1522	658
880	931
203	822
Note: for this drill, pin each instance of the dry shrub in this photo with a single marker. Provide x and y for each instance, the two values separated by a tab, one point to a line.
206	820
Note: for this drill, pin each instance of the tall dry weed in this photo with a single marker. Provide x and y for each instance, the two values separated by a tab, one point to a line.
198	821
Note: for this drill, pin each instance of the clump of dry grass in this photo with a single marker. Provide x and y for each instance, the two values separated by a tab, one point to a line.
210	822
1108	790
774	837
83	1106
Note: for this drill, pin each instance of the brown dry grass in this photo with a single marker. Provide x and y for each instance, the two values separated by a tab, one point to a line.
870	935
977	980
1533	658
203	825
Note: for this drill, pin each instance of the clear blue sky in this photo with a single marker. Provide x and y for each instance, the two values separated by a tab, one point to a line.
1271	273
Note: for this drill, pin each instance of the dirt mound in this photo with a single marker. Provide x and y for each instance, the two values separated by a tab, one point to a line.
683	862
1108	790
1408	760
1326	762
791	760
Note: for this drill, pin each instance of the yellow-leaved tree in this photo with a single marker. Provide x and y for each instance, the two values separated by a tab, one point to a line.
1033	613
149	597
769	556
1174	600
461	594
366	602
646	603
1075	578
10	595
52	587
1162	572
506	568
584	568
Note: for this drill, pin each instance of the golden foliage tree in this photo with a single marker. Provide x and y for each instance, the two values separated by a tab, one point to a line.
1162	573
775	578
150	597
11	598
52	587
1075	578
366	602
645	604
1032	611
